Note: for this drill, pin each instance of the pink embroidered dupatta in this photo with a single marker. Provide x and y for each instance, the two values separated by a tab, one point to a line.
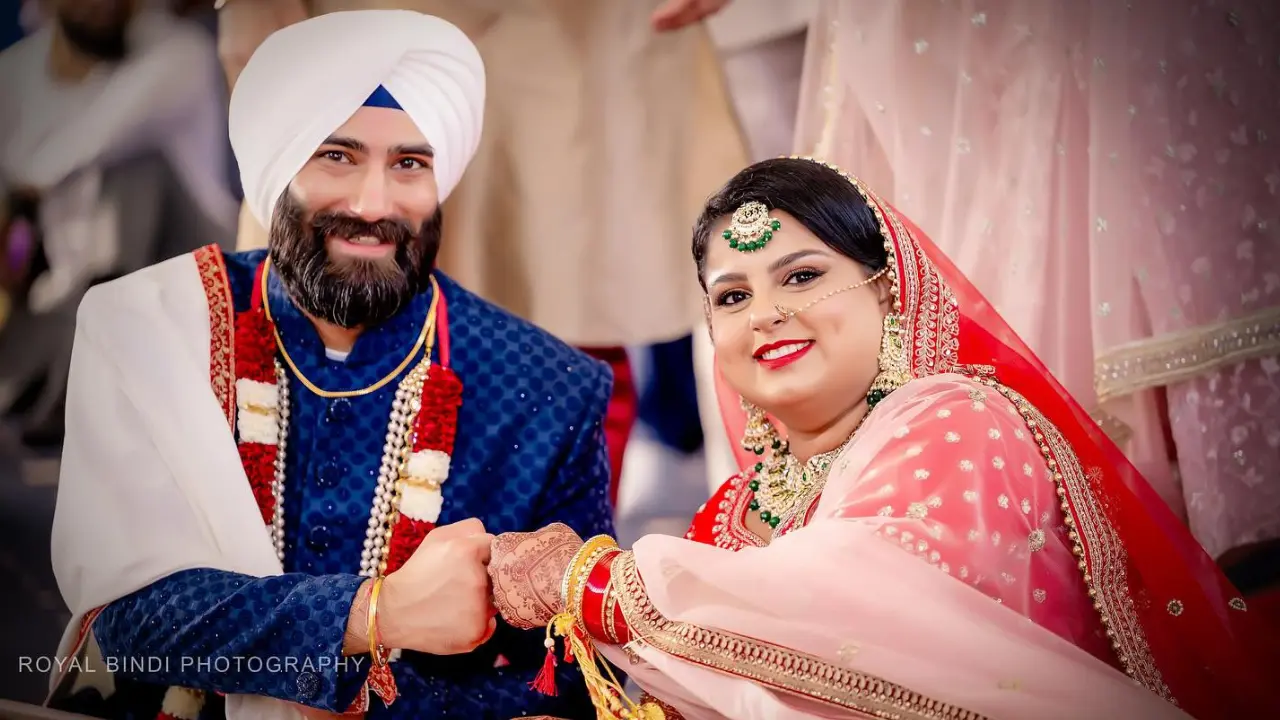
1001	486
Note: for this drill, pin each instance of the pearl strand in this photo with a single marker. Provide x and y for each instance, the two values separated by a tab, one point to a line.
395	457
395	454
282	439
410	405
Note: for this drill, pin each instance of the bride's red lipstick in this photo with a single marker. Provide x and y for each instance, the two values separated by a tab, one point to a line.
781	361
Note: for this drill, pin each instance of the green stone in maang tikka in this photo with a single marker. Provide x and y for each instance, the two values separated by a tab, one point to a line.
751	228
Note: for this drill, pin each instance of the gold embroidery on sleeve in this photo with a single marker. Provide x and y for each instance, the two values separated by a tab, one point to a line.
773	666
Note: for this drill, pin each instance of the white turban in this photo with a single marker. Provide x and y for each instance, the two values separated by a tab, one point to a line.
307	79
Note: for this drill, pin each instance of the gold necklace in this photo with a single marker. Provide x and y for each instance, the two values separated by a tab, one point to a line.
783	484
426	337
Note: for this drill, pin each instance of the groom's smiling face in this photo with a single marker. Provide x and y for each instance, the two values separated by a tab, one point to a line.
357	233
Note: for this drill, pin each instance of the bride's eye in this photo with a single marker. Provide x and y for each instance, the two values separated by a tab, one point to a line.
730	297
803	276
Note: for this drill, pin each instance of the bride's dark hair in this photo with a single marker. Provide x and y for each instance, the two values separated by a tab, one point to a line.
818	197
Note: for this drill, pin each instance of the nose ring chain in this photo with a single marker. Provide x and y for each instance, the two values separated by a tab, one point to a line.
787	313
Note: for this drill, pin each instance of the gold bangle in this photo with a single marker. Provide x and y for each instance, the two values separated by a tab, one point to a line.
376	651
610	605
567	578
576	565
578	589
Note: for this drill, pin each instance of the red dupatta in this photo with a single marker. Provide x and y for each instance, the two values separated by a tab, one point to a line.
1177	625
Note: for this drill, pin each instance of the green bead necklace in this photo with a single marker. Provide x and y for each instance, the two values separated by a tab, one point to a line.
777	486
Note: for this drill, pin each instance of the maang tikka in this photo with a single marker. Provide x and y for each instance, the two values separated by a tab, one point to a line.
751	228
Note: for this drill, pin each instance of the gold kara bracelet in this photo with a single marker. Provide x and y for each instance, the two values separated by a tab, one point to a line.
376	650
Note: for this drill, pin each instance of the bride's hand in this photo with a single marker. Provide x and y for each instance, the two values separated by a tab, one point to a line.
527	570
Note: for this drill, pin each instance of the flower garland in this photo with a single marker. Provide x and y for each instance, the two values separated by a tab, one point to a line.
408	500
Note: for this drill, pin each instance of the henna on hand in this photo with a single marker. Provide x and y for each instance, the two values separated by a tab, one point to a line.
527	570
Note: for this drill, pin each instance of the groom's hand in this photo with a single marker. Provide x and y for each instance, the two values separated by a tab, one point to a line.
439	601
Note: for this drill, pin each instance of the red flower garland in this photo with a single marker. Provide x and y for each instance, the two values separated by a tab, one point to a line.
435	428
255	352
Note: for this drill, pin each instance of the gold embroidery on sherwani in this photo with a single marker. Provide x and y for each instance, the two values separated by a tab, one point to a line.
771	665
217	289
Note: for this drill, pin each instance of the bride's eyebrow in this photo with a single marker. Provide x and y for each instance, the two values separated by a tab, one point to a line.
774	267
796	256
728	277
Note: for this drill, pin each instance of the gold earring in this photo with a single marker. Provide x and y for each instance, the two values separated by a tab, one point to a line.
759	433
895	371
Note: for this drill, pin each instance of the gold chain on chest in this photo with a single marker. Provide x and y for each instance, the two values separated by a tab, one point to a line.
428	332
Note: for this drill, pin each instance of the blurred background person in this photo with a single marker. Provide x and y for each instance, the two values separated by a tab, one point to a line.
113	155
1107	174
113	126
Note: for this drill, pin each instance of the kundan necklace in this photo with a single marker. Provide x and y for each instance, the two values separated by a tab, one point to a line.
781	484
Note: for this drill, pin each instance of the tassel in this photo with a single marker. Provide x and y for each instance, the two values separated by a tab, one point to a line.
606	692
545	682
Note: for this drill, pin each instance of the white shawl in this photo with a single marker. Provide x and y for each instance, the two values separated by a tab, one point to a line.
151	479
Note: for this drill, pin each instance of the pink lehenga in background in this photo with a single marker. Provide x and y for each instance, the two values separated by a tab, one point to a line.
1107	174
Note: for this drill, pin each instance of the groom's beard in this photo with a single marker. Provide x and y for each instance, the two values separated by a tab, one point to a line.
351	292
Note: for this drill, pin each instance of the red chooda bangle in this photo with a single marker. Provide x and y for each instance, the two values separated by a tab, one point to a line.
600	615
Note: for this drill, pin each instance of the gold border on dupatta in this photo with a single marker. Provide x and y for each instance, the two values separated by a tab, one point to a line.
217	290
928	309
799	674
1100	552
1180	356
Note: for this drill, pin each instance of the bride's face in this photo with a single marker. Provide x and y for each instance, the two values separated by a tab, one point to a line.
808	369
